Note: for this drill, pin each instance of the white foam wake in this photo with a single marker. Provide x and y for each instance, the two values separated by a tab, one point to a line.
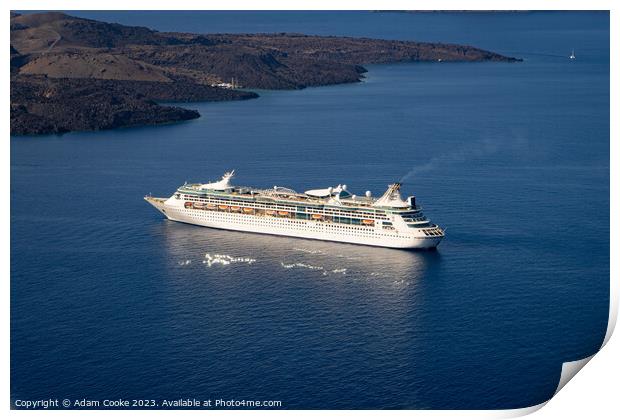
315	267
309	251
223	259
302	265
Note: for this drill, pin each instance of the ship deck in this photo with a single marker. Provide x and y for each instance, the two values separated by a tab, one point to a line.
290	196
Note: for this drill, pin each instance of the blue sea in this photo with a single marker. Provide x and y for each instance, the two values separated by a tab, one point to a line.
111	301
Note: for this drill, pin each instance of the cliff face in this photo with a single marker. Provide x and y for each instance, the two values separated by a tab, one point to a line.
61	105
78	74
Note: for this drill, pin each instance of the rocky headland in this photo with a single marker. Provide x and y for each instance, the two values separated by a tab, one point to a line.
70	73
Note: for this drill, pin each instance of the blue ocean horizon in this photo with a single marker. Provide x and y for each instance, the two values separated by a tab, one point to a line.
109	300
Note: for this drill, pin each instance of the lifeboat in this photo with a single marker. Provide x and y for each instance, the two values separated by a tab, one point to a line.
317	216
368	222
189	204
283	213
211	206
222	207
248	210
235	208
199	206
270	212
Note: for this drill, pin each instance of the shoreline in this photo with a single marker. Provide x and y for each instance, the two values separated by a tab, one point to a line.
73	74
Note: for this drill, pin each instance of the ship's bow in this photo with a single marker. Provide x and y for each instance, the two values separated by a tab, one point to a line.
158	203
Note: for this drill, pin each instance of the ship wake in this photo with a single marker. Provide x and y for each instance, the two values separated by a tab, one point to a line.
223	259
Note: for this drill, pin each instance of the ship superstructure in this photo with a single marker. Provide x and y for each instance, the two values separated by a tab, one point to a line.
332	214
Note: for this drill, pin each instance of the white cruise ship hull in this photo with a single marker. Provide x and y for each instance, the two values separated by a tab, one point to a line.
307	229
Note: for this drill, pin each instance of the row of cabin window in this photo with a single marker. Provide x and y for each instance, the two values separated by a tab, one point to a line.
344	227
293	221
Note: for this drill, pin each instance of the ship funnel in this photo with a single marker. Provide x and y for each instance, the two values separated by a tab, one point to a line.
391	197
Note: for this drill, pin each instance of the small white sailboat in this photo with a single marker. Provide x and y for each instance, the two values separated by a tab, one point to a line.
572	55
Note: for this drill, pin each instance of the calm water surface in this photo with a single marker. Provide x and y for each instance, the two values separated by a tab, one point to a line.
108	300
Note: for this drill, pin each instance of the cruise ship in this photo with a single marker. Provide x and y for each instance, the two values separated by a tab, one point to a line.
330	214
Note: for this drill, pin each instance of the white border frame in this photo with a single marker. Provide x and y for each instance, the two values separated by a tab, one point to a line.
597	384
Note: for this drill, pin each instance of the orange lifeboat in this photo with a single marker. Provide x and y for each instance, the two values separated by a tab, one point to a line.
235	208
222	207
283	213
368	222
317	216
189	204
248	210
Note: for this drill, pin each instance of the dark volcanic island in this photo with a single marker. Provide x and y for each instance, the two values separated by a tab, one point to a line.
69	73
